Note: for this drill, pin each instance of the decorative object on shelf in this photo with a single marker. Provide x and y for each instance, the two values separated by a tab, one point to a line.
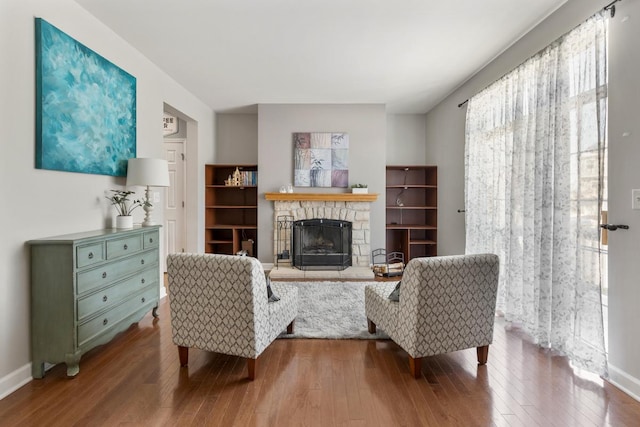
241	179
85	107
124	207
321	159
149	173
399	201
289	188
359	189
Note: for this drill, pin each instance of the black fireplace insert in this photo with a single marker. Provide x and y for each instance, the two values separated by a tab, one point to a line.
321	244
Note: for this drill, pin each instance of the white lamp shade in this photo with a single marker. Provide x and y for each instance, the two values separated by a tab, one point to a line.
148	172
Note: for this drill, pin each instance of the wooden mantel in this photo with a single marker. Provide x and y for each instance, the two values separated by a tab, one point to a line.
321	197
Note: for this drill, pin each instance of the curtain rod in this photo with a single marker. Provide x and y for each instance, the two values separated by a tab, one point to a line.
611	7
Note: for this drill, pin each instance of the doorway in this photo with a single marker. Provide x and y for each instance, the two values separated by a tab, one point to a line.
175	200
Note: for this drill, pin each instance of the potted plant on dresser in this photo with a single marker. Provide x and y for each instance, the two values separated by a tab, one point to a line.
124	207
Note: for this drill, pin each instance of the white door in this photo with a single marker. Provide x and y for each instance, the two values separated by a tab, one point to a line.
174	209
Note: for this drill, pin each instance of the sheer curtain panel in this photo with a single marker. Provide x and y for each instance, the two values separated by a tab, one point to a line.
535	183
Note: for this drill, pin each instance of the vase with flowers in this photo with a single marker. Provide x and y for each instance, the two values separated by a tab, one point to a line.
124	207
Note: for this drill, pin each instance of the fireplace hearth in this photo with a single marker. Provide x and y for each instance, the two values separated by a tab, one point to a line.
321	244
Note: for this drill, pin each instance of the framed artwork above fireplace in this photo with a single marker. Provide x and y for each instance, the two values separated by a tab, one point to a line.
321	159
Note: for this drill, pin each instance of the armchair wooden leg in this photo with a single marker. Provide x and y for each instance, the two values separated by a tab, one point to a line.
415	366
290	327
183	353
251	365
371	326
483	354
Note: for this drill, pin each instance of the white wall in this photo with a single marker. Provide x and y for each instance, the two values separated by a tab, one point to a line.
366	126
445	136
624	175
39	203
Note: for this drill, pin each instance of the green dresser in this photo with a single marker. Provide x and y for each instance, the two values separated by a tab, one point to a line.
88	287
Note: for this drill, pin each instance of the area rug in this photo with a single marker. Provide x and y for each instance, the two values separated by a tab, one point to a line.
331	310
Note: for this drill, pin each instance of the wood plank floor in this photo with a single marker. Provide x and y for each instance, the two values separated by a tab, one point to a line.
136	380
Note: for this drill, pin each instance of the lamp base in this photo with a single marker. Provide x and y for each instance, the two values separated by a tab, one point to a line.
148	208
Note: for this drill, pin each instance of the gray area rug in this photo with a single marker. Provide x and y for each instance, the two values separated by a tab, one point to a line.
333	310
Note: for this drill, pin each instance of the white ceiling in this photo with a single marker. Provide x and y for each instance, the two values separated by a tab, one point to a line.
407	54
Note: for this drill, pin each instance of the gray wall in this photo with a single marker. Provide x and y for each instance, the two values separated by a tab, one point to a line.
236	138
406	139
445	134
366	126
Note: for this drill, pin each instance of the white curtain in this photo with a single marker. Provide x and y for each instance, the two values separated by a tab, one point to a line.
535	184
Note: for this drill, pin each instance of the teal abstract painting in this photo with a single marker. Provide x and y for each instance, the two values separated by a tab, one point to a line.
85	107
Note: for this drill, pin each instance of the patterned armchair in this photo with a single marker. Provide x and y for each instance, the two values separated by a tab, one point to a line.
446	304
219	303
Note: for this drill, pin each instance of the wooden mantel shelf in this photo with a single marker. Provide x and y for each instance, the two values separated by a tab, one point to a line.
321	197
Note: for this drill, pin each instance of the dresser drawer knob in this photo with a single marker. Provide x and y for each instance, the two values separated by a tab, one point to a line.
143	299
90	255
126	247
142	261
104	275
142	281
104	298
105	321
150	239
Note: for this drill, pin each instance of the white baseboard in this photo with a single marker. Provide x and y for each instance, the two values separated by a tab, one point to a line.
624	382
16	379
266	266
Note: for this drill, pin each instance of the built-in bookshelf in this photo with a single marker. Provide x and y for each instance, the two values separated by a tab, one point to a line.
231	208
412	210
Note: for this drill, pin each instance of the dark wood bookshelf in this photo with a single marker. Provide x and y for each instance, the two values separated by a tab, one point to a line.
412	210
231	212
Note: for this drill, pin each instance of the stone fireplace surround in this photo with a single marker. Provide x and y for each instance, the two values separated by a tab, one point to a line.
341	206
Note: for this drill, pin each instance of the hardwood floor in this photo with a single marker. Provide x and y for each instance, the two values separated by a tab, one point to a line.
137	380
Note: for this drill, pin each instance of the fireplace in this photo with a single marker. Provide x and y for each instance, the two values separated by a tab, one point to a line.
321	244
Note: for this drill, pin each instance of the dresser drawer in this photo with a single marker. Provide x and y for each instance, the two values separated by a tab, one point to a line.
109	319
89	254
110	273
114	294
151	239
122	247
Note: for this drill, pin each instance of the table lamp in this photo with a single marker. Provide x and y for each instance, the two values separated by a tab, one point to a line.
149	173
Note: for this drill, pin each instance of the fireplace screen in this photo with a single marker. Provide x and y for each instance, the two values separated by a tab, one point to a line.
321	244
